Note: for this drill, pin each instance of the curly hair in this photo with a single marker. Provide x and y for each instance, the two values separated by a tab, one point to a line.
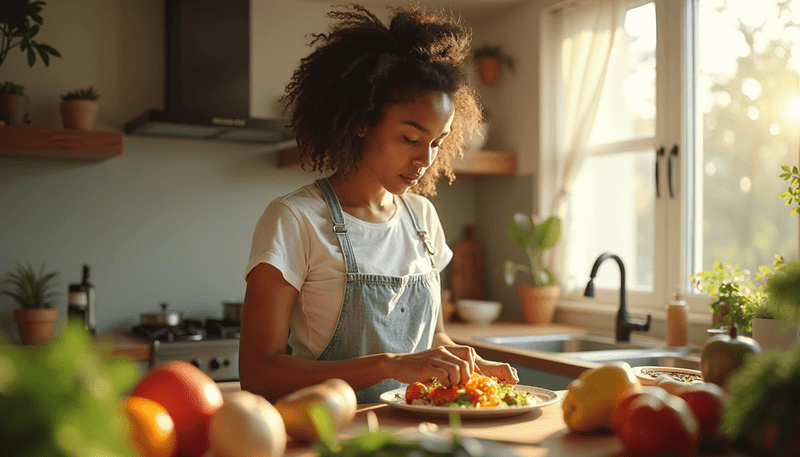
360	66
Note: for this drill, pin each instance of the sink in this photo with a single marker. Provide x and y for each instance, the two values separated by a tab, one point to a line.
600	349
561	342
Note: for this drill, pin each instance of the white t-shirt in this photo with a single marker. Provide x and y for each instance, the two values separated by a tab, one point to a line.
295	235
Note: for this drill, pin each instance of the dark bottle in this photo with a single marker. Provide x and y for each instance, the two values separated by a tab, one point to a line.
81	302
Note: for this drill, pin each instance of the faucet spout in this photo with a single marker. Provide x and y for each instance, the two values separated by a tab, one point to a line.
624	324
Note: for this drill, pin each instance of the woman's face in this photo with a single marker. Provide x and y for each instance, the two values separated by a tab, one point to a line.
405	143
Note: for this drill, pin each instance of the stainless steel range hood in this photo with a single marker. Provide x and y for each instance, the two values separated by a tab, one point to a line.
207	77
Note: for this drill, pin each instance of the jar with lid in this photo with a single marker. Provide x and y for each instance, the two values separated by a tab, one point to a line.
677	322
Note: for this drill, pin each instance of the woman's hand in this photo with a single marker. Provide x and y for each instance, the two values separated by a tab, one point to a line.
502	371
451	365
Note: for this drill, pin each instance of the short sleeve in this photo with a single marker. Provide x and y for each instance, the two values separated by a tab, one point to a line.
278	240
443	254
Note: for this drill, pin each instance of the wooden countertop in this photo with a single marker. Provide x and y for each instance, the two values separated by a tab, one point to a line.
534	434
125	344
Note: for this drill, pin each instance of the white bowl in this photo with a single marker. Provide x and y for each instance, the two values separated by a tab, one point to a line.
479	312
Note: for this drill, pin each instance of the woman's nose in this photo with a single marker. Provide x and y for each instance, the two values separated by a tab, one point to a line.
426	158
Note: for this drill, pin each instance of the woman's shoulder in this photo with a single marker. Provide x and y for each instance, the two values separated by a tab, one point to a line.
308	196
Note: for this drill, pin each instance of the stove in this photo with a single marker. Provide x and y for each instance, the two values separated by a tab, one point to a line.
211	345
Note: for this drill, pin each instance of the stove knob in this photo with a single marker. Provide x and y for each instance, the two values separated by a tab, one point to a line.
216	363
197	362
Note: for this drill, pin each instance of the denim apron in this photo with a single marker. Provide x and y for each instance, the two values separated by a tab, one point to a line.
381	314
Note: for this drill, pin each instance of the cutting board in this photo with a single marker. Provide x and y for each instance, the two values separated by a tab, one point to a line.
466	269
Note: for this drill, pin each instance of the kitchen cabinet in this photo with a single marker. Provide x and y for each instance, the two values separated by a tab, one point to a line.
474	163
59	144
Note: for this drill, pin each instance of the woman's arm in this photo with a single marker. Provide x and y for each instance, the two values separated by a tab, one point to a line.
265	369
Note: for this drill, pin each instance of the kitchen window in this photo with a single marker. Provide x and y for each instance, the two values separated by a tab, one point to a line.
699	108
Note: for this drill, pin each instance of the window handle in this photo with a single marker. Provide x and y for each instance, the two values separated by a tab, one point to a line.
658	186
671	170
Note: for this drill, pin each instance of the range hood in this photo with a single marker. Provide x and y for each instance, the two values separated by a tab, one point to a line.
207	77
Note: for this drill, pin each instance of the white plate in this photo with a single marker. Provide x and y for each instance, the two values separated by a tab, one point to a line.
397	399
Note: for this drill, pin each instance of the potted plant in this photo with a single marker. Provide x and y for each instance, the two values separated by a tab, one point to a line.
13	103
33	292
20	21
538	300
79	109
490	61
735	296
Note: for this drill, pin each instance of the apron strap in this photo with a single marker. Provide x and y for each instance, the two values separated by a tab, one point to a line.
423	234
339	227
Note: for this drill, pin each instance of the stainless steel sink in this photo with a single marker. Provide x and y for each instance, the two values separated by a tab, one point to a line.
595	348
561	342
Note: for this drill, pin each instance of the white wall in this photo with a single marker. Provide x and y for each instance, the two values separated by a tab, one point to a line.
168	220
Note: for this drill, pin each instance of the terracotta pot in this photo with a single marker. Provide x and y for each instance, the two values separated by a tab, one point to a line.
538	303
35	325
13	107
79	114
489	69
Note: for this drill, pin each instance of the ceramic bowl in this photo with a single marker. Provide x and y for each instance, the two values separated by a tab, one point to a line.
479	312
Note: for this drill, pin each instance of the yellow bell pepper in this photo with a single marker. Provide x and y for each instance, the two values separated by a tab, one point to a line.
590	399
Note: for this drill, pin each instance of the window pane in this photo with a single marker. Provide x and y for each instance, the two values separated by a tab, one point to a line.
614	211
627	107
748	101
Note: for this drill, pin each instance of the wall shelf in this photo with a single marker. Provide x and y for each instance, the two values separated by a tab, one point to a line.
60	144
475	163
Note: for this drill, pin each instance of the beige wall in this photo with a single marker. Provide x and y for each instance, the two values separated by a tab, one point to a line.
171	220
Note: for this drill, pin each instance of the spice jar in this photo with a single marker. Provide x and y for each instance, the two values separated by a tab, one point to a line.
677	322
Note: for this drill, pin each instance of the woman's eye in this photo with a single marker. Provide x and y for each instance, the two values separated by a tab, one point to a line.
410	141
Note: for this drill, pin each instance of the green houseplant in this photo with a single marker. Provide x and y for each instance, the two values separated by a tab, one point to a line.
490	61
539	299
63	398
33	293
79	108
20	21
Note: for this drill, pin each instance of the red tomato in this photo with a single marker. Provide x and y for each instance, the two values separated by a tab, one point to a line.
190	397
619	411
442	395
415	391
707	401
657	424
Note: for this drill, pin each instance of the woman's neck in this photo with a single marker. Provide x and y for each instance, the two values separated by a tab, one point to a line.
370	203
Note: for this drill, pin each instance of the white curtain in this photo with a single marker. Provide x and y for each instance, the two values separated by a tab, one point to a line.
578	42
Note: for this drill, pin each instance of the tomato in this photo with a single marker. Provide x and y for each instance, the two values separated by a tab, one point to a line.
190	397
442	395
707	401
415	391
656	423
152	429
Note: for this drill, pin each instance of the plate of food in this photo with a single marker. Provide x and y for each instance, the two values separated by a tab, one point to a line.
481	396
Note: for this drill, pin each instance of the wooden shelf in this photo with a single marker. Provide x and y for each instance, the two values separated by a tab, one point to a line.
61	144
475	163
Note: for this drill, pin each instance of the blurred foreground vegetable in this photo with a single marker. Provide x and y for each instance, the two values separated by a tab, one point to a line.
63	398
590	399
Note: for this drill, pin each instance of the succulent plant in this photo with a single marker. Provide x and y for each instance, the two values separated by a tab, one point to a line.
10	88
30	289
81	94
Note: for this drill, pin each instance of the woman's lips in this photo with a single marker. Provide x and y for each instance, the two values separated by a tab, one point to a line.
412	178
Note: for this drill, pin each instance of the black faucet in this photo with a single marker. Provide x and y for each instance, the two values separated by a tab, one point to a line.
625	324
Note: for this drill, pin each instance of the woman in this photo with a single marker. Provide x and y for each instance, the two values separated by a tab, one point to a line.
343	277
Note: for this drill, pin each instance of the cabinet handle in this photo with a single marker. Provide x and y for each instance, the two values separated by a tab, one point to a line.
659	153
671	170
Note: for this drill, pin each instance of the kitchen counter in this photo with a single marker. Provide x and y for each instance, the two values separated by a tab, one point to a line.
127	345
533	434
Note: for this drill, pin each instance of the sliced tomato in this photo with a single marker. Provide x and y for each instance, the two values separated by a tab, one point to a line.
415	391
441	395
